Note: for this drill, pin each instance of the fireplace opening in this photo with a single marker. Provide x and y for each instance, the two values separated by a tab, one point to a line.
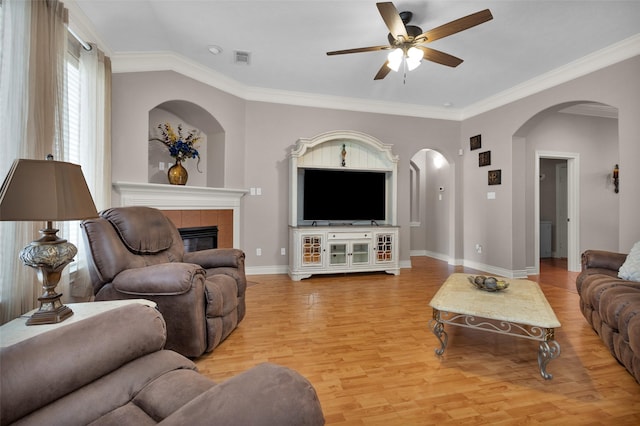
199	238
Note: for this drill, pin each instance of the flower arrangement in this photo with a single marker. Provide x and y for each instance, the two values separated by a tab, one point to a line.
180	147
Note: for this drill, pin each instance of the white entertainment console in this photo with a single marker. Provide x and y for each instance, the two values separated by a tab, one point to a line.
331	250
325	248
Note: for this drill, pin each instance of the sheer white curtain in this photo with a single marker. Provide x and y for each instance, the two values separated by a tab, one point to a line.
33	41
18	286
95	148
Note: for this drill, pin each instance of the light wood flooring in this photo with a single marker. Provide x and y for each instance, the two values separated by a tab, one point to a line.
364	343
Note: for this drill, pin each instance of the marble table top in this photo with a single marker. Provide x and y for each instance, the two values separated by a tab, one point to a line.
523	302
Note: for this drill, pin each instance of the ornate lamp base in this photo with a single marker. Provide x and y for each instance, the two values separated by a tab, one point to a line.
50	316
49	256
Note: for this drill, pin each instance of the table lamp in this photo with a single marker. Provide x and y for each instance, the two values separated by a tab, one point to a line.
46	190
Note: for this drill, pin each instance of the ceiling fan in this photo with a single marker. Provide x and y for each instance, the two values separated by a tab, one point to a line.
406	41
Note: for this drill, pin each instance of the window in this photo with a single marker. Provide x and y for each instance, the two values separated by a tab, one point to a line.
71	230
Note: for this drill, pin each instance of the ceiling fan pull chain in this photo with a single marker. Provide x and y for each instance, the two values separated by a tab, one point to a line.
404	69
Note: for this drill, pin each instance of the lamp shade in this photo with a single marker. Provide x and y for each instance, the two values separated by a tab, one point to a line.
45	190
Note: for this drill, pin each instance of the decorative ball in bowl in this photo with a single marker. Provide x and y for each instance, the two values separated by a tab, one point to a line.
488	283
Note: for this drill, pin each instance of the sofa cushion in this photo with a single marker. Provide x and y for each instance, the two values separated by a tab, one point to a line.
169	392
633	333
128	414
265	395
615	302
143	230
630	269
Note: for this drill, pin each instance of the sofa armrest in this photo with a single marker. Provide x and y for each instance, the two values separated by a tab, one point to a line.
600	259
39	370
166	279
216	258
265	395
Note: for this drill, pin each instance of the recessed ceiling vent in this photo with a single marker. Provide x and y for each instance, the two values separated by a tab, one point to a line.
242	58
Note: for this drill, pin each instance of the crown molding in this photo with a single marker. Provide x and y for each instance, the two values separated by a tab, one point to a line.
610	55
170	61
163	61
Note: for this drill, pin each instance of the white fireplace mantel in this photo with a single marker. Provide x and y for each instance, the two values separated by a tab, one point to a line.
177	197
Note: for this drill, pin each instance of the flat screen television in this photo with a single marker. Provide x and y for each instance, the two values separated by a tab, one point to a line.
343	195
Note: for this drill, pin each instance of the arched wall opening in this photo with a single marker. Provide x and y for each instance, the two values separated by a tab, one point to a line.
583	136
209	172
431	205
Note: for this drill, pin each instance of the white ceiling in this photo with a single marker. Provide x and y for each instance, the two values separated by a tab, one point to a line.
288	41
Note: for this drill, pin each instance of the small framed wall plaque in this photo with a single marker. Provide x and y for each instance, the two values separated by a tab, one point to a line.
495	177
484	158
475	142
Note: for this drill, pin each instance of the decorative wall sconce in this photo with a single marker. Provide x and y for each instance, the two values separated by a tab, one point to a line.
616	173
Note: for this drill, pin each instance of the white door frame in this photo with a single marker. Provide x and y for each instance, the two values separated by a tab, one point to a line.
573	207
561	212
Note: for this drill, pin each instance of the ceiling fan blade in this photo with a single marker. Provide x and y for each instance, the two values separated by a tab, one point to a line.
383	71
392	19
358	50
457	25
440	57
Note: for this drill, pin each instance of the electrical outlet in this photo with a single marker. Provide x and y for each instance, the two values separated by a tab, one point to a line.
283	251
252	191
258	191
258	252
478	248
161	165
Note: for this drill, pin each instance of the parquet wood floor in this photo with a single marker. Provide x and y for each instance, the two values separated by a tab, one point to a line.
364	343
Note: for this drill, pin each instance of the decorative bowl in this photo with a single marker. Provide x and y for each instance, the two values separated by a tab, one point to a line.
488	283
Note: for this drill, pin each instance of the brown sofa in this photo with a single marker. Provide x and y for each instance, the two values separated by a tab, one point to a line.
612	306
111	369
136	252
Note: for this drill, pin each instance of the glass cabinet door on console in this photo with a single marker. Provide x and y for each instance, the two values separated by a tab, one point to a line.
349	253
312	250
360	254
338	254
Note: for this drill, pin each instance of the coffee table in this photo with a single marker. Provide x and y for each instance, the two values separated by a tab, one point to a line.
521	310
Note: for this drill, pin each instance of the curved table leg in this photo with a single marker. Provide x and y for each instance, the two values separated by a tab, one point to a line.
438	329
548	350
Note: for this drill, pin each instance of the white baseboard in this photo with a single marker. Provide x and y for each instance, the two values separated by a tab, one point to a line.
406	264
494	270
267	270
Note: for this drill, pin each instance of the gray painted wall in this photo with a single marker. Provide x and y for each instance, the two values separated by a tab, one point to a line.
259	135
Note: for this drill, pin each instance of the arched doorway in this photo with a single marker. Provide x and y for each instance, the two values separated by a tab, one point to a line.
584	136
431	208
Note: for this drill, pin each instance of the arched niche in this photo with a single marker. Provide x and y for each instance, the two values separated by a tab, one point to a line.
584	135
210	171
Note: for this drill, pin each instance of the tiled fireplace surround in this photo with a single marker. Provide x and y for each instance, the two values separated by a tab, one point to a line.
190	206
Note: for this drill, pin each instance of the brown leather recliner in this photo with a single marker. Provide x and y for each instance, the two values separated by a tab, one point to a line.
136	252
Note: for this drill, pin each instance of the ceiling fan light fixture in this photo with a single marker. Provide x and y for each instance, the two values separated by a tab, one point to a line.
415	54
412	64
414	57
395	59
